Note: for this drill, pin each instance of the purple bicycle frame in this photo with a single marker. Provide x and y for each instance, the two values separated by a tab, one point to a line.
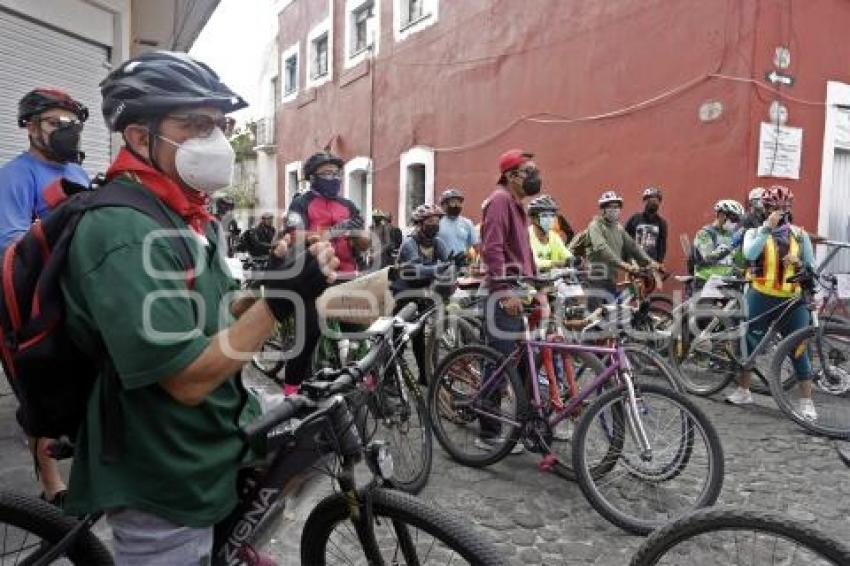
619	361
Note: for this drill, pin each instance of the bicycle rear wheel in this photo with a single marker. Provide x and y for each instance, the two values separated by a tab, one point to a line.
830	360
28	524
704	367
407	530
456	410
720	537
449	334
682	471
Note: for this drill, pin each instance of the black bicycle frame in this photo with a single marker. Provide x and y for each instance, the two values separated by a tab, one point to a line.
295	451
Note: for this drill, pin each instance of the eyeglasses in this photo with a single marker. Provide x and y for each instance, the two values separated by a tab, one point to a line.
330	175
202	125
57	122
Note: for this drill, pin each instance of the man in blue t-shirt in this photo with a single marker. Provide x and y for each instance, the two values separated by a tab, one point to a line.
54	122
457	232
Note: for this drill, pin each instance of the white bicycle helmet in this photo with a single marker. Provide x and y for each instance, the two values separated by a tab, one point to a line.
609	197
755	194
729	207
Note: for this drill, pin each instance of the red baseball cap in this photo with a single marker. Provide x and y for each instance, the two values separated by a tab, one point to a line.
513	158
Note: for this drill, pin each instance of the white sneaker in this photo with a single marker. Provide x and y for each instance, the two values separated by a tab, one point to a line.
807	409
740	397
563	431
490	445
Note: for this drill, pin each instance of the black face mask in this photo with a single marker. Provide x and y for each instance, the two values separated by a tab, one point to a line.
63	145
429	231
651	208
532	183
453	210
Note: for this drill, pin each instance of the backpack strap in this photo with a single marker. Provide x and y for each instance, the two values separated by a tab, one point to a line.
118	193
122	194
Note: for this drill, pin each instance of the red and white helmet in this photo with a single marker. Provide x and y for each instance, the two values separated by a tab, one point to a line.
777	196
425	211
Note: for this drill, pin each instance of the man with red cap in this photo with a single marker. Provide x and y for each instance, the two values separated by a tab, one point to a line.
506	250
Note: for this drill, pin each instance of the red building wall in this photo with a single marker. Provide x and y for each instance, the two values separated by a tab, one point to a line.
468	85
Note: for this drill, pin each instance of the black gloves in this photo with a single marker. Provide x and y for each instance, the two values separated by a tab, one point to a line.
297	272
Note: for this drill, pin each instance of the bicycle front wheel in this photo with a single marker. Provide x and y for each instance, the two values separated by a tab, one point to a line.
830	360
679	470
399	417
720	537
407	530
650	367
27	525
475	428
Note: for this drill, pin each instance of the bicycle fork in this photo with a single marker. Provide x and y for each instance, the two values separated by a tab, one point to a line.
633	420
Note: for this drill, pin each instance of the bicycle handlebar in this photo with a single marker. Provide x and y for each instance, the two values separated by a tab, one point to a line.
346	377
283	412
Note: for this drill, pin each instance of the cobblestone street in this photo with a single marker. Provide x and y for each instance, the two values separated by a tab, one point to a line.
538	518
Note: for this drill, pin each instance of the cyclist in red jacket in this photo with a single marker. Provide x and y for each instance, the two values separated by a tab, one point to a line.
323	212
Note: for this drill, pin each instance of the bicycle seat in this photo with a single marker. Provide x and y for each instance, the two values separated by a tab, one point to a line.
684	278
468	283
381	326
732	281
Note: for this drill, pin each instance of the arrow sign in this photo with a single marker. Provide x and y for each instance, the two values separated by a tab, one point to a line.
779	79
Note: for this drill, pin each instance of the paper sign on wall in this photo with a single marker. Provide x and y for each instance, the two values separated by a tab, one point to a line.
780	148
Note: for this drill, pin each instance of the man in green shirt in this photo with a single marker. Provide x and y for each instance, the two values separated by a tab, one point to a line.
611	249
713	252
175	338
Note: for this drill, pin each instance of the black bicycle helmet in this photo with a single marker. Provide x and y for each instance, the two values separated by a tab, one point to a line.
40	100
318	159
651	192
157	82
543	203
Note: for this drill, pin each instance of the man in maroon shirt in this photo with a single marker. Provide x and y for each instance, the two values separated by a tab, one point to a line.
506	250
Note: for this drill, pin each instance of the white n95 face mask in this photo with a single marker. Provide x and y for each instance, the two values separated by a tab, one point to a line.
205	164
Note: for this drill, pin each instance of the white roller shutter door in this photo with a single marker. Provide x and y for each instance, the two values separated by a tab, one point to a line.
839	210
33	55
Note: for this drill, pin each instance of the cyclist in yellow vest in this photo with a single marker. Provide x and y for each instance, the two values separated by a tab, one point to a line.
546	244
775	251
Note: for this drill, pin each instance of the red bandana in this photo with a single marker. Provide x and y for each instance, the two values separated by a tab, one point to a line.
190	205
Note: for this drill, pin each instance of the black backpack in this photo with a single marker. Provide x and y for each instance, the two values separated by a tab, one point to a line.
51	377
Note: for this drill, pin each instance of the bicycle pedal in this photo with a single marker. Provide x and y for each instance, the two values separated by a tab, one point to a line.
547	462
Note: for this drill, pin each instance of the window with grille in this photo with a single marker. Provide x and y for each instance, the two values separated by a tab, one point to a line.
412	11
360	20
320	57
290	75
415	188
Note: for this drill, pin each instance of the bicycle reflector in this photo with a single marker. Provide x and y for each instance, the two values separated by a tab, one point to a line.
380	458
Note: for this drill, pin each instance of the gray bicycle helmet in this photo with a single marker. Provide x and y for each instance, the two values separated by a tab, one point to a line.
157	82
451	193
543	203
